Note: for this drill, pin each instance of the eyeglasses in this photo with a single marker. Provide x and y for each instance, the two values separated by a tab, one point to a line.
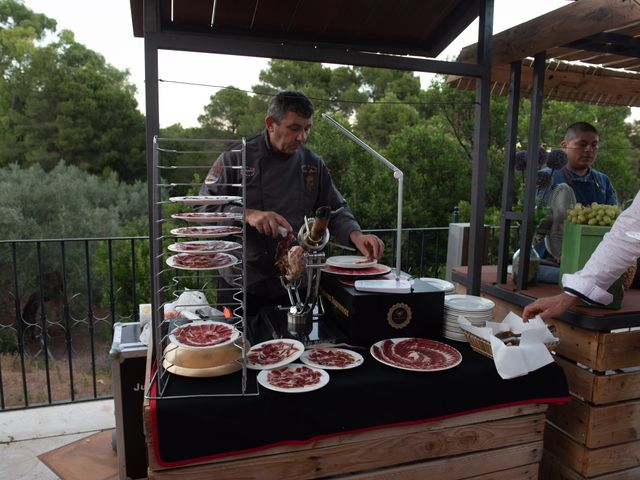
584	146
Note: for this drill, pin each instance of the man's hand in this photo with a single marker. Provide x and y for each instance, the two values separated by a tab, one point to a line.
549	307
369	245
266	223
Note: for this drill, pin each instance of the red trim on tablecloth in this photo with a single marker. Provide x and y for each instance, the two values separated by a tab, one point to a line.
181	463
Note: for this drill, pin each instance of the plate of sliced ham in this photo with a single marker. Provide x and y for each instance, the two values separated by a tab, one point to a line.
351	261
274	353
293	378
197	247
331	358
215	231
373	271
416	354
212	261
207	217
206	199
203	334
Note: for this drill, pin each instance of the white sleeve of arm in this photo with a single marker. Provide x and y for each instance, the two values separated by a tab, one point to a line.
611	258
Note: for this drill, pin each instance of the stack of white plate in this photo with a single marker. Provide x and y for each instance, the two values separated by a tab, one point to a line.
477	310
444	285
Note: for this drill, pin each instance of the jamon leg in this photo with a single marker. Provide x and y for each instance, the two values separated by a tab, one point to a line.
290	258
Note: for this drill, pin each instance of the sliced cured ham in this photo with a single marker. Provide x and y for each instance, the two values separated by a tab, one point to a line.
419	354
331	358
211	261
271	353
203	334
294	377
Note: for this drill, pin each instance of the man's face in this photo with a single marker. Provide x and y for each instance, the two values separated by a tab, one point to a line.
289	135
581	150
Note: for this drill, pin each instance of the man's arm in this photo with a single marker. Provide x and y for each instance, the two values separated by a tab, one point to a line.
611	258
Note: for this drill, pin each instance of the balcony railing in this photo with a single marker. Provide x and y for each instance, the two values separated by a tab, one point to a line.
61	297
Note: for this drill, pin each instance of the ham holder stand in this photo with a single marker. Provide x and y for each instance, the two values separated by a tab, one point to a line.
399	285
313	237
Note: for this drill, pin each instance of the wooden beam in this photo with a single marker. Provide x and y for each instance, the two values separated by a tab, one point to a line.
567	85
566	24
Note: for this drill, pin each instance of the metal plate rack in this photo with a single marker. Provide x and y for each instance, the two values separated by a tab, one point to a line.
179	168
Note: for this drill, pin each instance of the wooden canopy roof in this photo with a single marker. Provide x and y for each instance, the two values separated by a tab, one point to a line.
416	27
592	49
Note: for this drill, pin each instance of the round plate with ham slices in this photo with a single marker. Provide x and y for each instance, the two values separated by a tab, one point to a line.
274	353
212	261
293	378
374	271
351	261
416	354
203	334
214	231
207	217
206	199
204	246
331	358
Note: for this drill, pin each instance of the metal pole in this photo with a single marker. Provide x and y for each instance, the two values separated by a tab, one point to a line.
397	174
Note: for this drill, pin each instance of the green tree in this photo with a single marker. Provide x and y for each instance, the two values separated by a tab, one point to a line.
379	121
379	82
225	110
62	101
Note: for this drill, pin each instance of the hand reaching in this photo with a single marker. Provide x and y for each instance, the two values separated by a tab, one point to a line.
369	245
549	307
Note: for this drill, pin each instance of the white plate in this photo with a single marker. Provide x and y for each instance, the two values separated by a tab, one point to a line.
207	217
206	199
198	324
454	357
284	361
263	379
229	260
634	235
468	303
358	359
440	284
216	231
198	247
351	261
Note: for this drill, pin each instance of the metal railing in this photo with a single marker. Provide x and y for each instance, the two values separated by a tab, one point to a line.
61	297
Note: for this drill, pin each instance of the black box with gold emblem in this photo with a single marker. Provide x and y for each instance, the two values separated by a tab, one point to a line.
367	317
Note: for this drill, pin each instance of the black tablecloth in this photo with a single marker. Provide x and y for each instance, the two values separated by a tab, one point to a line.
194	428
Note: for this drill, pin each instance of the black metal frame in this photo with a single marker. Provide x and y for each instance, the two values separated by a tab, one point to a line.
155	39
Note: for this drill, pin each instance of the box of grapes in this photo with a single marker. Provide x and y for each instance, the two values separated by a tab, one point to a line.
578	243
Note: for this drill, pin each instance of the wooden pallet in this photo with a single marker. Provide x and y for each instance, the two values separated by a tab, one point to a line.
597	434
498	444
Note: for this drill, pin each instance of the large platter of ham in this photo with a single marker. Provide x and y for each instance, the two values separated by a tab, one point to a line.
212	261
274	353
416	354
207	217
214	231
203	334
331	358
204	246
206	199
293	378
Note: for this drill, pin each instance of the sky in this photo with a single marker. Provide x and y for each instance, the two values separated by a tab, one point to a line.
105	27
